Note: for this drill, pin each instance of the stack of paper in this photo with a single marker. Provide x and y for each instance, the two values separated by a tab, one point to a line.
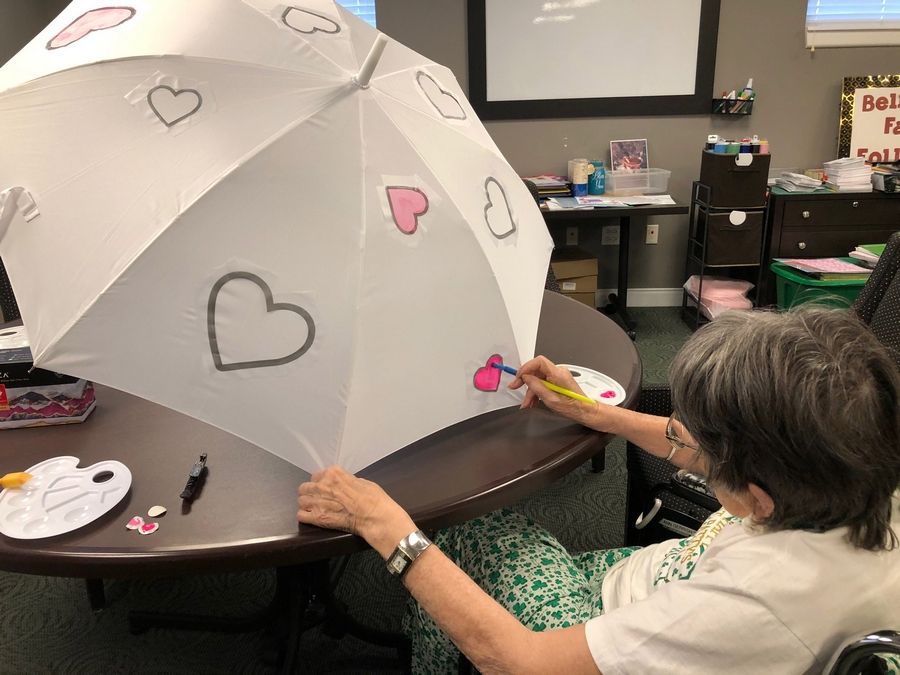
551	186
797	182
828	269
868	254
848	174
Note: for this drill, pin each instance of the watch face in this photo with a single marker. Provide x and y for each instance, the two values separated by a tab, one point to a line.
398	563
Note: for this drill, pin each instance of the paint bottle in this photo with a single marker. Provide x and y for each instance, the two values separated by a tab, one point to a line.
754	144
745	145
733	147
721	146
763	147
711	141
597	180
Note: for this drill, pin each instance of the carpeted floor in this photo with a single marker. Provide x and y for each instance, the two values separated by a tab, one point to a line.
46	624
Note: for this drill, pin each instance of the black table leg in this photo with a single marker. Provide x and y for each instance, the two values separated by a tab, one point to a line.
96	594
618	301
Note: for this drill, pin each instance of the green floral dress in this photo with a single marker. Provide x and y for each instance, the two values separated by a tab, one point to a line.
528	571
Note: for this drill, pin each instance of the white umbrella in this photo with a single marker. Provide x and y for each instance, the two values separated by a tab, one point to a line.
245	211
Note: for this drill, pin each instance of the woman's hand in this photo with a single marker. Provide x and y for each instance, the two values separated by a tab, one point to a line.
336	500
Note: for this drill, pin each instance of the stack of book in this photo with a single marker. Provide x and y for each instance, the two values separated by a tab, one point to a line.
848	174
797	182
551	186
868	254
828	269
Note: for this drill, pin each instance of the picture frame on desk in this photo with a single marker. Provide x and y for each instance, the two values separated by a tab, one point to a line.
510	79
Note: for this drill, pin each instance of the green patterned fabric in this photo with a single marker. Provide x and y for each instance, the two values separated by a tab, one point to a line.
523	568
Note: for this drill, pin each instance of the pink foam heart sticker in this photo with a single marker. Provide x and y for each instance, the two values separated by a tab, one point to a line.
148	528
488	377
96	19
407	204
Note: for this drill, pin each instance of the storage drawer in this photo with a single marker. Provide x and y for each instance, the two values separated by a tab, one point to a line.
829	243
733	237
841	213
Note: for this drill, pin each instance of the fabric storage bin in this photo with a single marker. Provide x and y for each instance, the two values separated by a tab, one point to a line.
732	237
733	181
793	287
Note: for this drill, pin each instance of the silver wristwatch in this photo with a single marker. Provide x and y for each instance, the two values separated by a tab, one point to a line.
409	548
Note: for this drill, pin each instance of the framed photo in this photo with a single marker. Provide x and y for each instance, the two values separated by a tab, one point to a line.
870	118
539	59
629	155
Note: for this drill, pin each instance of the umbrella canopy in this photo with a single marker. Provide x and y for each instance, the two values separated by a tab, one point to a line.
245	211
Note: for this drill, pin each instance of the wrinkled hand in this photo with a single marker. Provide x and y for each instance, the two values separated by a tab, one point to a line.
541	368
337	500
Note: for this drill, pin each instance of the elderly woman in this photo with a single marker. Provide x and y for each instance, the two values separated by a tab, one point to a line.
795	420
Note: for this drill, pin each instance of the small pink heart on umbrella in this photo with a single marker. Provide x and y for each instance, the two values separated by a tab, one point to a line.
609	393
97	19
488	377
407	204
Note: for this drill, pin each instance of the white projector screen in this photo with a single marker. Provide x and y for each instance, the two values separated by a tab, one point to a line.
652	56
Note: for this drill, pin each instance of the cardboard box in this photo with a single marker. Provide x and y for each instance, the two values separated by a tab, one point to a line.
579	284
588	299
571	262
33	396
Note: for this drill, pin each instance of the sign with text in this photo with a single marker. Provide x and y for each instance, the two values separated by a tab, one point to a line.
876	124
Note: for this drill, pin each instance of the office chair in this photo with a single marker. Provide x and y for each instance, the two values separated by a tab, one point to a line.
9	309
551	284
878	304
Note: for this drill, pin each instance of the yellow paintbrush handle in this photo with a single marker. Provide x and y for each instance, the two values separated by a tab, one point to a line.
14	480
567	392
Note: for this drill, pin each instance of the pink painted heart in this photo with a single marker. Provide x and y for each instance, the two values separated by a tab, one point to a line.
148	528
134	523
407	204
488	377
97	19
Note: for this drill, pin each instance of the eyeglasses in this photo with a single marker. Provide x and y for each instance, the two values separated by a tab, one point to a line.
674	440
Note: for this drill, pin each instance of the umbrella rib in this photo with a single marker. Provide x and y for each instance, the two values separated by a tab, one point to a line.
215	181
429	117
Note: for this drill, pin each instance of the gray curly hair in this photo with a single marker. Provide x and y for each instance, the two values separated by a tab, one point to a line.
805	404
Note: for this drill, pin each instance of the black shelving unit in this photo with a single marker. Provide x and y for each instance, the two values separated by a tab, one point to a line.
721	241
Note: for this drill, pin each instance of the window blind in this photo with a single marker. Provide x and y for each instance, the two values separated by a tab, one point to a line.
364	9
852	23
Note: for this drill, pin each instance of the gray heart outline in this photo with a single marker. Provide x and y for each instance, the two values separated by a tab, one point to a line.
284	16
487	207
175	93
443	91
271	306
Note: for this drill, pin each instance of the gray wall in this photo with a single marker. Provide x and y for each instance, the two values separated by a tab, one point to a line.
798	95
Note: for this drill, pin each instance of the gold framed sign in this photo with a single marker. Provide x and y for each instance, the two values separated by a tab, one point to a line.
870	118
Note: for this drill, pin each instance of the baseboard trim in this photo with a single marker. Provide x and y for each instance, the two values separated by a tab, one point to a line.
646	297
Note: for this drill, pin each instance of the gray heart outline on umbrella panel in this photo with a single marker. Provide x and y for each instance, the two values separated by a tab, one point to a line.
284	20
271	306
490	203
443	93
175	94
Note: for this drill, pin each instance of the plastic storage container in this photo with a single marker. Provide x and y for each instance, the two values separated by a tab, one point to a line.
793	287
638	182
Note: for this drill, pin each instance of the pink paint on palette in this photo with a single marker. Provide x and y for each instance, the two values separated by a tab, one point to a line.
609	393
407	204
487	378
94	20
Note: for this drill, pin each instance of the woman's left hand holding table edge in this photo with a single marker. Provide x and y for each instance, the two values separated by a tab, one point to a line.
487	633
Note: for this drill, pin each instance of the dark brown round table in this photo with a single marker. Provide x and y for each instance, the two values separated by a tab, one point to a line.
244	516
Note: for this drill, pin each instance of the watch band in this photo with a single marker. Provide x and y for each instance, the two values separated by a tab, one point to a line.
406	553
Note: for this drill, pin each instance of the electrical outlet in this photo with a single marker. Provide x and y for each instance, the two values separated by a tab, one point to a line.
609	235
572	235
652	233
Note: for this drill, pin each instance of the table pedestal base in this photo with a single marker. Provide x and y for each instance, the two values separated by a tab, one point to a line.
303	598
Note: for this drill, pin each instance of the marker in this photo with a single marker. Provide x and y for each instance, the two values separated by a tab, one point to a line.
549	385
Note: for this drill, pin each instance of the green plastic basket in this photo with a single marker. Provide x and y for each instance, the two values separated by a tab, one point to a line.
793	287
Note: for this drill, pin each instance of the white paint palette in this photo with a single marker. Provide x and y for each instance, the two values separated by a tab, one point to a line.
600	387
61	497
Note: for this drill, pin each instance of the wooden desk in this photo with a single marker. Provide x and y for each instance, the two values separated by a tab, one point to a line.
618	301
244	517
